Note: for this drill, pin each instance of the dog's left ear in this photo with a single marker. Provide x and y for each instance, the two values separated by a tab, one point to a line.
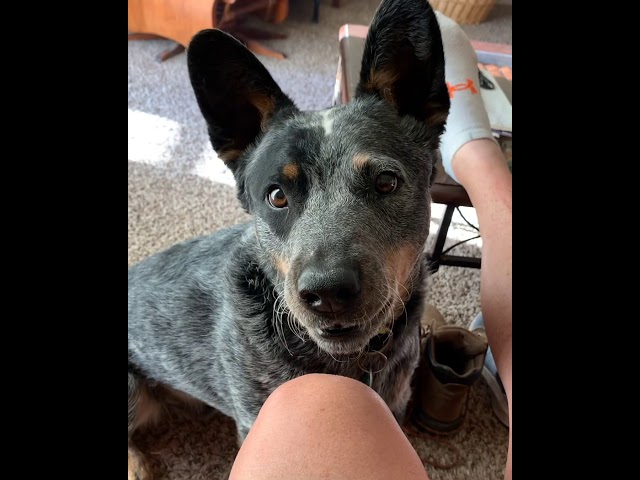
236	94
403	61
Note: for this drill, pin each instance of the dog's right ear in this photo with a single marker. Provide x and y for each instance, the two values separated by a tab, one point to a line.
236	94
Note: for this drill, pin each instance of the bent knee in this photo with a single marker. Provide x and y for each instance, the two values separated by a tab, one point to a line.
322	392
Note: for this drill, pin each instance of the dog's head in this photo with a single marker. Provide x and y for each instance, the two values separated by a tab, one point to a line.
341	197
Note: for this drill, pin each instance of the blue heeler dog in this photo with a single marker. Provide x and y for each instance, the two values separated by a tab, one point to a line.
328	276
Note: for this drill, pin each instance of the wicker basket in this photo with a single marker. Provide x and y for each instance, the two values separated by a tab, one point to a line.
464	11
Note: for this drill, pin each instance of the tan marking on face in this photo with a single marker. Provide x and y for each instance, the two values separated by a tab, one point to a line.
399	266
359	160
283	266
290	171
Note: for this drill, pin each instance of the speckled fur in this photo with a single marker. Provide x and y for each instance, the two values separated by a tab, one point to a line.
219	318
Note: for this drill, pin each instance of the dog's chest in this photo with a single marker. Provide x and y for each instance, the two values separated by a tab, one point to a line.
391	378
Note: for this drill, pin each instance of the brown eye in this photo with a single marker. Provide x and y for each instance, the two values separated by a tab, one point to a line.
277	198
386	182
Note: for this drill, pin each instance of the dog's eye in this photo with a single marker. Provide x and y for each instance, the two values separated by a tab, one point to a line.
277	198
386	182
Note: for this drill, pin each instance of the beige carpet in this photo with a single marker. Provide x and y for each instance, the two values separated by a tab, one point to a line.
178	189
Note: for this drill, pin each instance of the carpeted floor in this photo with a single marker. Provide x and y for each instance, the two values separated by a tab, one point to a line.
178	189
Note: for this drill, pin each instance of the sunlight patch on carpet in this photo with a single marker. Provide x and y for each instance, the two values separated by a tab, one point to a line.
209	166
151	137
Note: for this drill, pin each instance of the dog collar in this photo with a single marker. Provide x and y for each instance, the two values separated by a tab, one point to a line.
374	359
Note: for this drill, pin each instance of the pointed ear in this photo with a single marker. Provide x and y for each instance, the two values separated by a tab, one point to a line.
403	61
236	94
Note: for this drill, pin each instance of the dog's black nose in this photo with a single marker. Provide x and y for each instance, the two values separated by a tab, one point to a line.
329	290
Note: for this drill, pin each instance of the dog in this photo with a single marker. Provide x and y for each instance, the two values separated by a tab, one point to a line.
329	275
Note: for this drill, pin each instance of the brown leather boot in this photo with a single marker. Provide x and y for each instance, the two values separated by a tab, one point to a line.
451	361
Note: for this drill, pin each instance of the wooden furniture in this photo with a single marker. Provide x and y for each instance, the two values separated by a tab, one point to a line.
496	58
180	20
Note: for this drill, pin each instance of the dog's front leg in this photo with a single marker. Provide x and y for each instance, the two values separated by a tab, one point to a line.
142	409
138	466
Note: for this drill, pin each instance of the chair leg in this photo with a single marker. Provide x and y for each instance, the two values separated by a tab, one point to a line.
260	49
162	56
315	18
434	257
172	52
232	23
257	34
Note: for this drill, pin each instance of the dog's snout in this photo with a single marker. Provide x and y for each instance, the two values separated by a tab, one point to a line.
333	290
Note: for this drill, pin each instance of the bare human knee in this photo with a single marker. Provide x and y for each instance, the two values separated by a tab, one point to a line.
319	391
327	426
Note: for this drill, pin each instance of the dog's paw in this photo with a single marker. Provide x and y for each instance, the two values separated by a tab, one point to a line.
138	466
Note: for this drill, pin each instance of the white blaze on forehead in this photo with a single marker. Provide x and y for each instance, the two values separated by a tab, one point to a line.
327	123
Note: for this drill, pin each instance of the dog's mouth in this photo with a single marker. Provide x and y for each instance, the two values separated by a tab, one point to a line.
336	331
346	337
